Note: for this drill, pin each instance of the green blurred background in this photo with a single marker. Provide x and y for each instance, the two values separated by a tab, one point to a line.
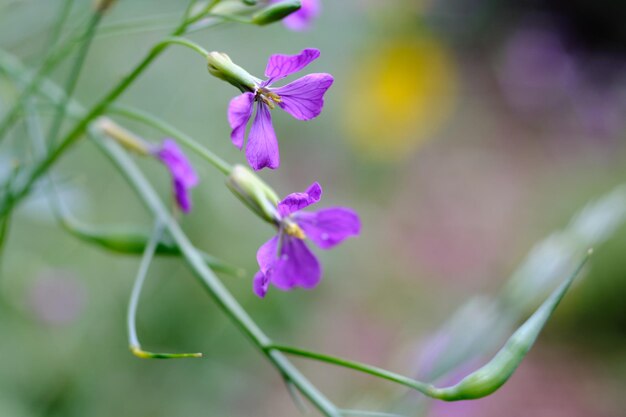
462	132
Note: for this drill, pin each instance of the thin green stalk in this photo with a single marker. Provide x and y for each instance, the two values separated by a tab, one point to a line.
150	120
424	388
202	13
73	76
142	273
64	12
177	40
22	188
4	232
52	59
210	282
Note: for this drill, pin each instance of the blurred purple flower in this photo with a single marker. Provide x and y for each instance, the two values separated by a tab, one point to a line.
285	260
302	19
183	175
302	98
57	297
537	72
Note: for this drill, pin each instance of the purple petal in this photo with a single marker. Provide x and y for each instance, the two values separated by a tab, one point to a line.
279	66
304	98
177	163
260	284
182	195
302	19
297	267
329	227
183	175
267	255
239	112
262	148
297	201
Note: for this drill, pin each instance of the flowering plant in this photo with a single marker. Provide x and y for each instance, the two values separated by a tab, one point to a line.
285	261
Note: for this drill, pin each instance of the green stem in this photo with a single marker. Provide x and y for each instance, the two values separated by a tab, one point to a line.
150	120
211	283
202	13
177	40
22	187
73	76
142	273
424	388
146	260
53	58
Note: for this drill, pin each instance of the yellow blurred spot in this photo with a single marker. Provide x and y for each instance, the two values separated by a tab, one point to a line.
399	96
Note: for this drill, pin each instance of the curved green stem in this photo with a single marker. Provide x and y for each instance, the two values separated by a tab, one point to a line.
133	339
424	388
177	40
150	120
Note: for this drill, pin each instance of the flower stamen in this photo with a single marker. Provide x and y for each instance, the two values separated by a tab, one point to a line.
292	229
268	97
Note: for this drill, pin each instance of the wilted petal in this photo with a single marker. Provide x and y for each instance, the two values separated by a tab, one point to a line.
304	98
297	201
183	175
260	284
177	163
279	65
302	19
239	112
262	148
329	227
267	255
297	266
182	196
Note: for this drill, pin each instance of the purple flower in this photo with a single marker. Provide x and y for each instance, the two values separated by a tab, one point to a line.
302	98
302	19
183	175
285	261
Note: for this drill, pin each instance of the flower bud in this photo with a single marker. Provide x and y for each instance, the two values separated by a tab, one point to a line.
254	193
222	67
276	12
125	138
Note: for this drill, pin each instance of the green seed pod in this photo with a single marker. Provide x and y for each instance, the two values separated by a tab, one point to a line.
222	67
254	193
496	372
276	12
131	240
